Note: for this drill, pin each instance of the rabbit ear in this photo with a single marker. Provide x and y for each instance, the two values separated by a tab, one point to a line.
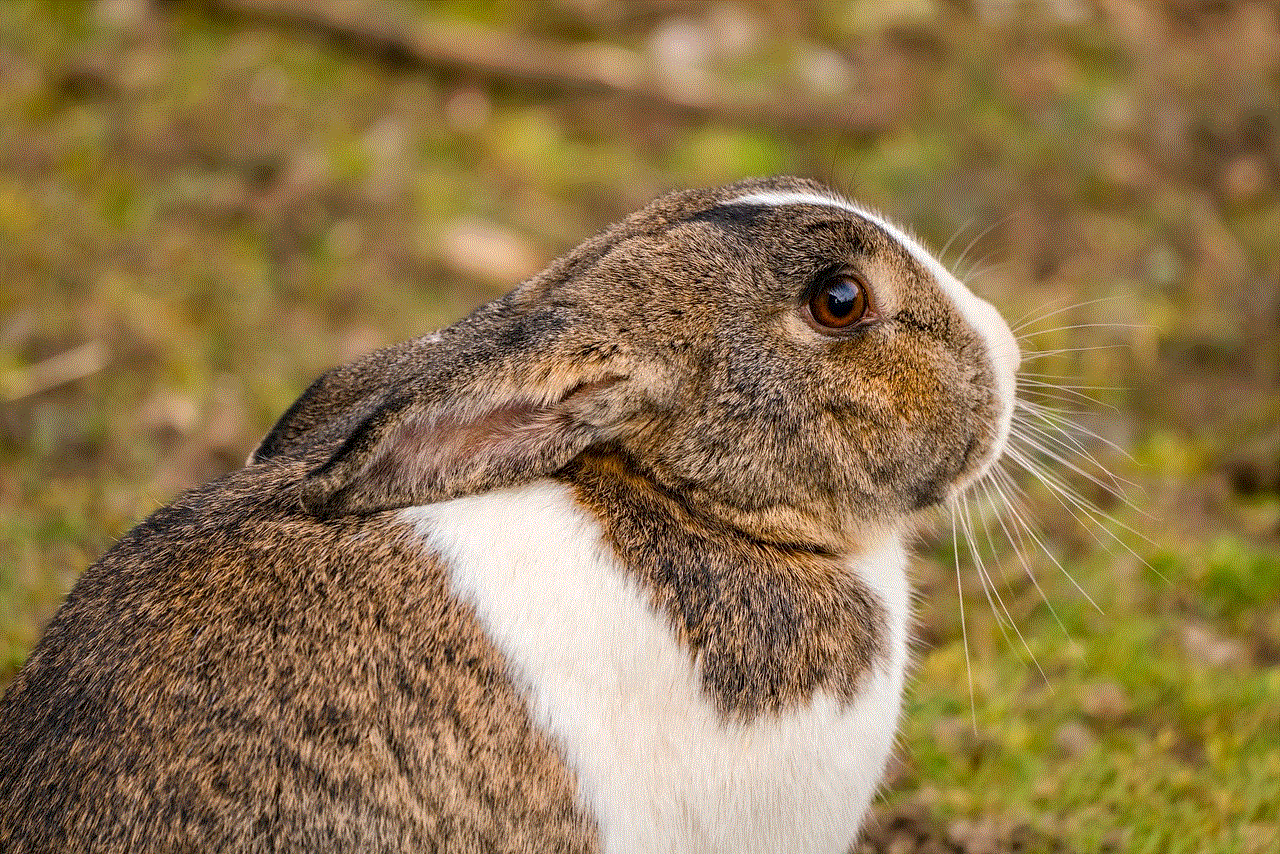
337	403
486	418
324	414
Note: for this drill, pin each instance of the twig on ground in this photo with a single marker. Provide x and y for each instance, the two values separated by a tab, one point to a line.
74	364
507	58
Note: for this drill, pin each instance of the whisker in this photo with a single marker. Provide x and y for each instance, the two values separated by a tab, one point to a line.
977	270
1023	322
1044	548
1058	420
1069	396
966	523
1020	455
986	530
1097	516
1023	379
1020	546
971	273
1040	354
1072	505
1069	444
1113	489
981	235
1046	442
989	587
1030	335
1062	430
1024	319
942	253
1047	376
964	631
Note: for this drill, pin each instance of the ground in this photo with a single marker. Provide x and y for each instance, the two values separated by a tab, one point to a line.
204	205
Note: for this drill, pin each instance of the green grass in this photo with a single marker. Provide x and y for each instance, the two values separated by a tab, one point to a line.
1150	727
227	211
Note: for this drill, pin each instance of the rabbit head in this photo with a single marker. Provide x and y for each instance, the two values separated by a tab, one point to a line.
782	360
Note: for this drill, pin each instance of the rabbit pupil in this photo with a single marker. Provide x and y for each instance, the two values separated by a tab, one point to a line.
841	299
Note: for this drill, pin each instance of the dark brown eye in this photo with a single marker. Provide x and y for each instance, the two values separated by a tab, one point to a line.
840	302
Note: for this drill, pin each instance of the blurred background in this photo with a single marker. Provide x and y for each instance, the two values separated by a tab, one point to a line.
203	205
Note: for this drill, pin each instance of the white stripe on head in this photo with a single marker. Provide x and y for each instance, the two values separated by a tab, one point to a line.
1002	348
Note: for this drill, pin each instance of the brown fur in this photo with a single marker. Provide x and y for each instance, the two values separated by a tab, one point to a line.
770	623
236	676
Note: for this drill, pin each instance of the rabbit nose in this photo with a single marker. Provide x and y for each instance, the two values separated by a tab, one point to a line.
1008	354
1003	347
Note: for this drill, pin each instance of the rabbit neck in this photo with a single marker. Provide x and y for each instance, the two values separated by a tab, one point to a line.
769	623
828	524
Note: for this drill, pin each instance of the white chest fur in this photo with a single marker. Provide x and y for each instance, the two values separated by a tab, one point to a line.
657	767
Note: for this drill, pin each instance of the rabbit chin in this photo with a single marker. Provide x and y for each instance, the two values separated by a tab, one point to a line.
658	766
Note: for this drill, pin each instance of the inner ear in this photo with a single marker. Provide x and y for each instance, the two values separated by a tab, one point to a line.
514	433
405	457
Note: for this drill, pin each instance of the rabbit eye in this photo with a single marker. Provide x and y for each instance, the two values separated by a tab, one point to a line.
840	302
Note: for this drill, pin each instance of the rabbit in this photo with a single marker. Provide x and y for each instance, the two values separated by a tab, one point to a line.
614	564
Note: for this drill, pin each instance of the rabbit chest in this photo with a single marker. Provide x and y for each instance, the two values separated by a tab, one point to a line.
660	764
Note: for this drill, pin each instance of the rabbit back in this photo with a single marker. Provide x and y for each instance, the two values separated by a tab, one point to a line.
234	676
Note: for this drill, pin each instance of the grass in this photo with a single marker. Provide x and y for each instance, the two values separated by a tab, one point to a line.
224	211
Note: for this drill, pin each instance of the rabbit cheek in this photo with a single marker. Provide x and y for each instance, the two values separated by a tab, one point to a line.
910	433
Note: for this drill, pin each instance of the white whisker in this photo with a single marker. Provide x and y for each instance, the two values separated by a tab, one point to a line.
1029	335
989	587
1057	419
1061	491
1075	508
1049	554
1069	444
964	630
942	253
1023	379
981	235
1048	376
1113	489
1020	546
1023	322
1041	354
977	271
1069	396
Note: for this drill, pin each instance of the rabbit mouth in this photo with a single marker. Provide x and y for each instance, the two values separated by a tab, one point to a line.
973	462
987	444
979	457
